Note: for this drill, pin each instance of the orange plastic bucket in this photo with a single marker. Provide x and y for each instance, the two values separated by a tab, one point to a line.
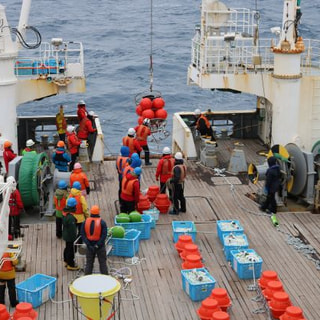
220	315
182	241
279	303
272	287
152	192
207	308
221	295
266	276
292	313
193	261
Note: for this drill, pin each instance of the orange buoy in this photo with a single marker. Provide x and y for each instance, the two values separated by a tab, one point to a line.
207	308
279	303
182	241
148	113
221	295
139	110
193	261
146	103
4	314
220	315
189	248
143	204
266	276
140	120
162	202
158	103
272	287
161	114
152	192
292	313
24	309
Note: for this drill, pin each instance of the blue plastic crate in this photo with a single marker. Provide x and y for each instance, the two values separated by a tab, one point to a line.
154	213
127	246
200	290
143	226
230	243
23	67
227	226
37	289
39	68
183	227
246	270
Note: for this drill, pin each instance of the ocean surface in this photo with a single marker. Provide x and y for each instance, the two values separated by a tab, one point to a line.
116	36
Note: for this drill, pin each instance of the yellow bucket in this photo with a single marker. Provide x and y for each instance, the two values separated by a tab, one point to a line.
95	294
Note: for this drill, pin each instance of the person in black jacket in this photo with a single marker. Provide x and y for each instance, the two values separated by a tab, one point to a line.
272	185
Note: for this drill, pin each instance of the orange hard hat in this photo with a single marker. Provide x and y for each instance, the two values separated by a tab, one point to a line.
60	144
7	144
95	209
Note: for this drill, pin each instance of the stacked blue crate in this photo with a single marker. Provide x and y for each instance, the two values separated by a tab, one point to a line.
228	226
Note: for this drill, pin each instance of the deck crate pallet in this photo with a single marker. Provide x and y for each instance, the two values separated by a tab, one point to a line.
228	226
233	241
183	227
127	246
246	263
197	283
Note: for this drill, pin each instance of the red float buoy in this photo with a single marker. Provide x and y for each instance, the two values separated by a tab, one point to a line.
266	276
278	304
220	315
146	103
158	103
183	240
152	192
207	308
272	287
144	203
162	202
193	261
161	114
189	248
140	120
139	110
4	314
221	295
148	113
24	309
292	313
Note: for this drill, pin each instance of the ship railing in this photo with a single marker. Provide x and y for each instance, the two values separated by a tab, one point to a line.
241	56
235	20
63	60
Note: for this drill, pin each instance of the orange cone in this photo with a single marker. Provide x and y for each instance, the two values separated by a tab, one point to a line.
292	313
4	314
190	248
207	308
272	287
193	261
266	276
221	295
220	315
182	241
279	303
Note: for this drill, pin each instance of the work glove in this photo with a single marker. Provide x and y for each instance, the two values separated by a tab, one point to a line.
88	190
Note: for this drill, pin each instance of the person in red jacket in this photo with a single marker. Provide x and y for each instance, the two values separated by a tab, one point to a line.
131	142
85	128
130	191
8	154
82	111
142	133
73	146
16	206
164	168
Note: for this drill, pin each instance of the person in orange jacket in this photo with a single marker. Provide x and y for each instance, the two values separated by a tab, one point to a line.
78	175
73	145
8	154
130	191
131	142
121	163
142	133
164	168
7	279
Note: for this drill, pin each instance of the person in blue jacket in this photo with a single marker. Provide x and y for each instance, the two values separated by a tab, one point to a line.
61	158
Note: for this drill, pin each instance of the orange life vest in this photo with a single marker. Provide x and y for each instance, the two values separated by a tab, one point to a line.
142	133
95	236
167	166
7	264
60	203
79	204
126	170
205	120
121	163
183	170
129	142
127	186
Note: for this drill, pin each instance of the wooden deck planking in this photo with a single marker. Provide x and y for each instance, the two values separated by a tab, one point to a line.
157	279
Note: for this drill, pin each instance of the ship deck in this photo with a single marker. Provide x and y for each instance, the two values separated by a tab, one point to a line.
156	290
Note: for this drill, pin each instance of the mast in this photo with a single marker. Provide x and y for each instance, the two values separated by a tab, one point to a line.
23	21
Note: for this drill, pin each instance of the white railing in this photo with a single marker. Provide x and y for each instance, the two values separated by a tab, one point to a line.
241	56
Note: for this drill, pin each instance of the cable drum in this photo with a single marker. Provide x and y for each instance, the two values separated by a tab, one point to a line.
30	176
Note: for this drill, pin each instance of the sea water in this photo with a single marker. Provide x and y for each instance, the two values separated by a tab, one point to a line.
117	41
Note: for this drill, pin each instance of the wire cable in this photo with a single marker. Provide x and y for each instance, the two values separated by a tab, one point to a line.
23	41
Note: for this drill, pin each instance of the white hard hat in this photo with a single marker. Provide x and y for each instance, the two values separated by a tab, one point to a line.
81	102
70	129
131	132
166	150
178	156
12	180
197	112
30	143
146	121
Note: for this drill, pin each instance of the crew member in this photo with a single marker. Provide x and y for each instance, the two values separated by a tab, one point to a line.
164	169
30	145
7	279
130	191
69	233
16	206
8	154
82	212
203	125
142	133
121	163
60	201
77	174
177	184
94	234
61	124
82	111
61	158
131	142
272	185
85	128
73	145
